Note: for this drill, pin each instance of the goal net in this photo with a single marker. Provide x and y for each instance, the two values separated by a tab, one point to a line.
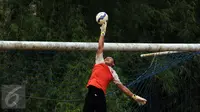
56	81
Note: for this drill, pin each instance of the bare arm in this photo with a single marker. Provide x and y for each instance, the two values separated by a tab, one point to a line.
101	39
125	90
140	100
117	81
100	45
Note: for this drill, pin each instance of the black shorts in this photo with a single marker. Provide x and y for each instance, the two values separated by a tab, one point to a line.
95	100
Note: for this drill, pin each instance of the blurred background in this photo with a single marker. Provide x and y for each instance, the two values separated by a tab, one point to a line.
56	81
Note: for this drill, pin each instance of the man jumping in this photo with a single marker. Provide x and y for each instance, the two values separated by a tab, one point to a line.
102	75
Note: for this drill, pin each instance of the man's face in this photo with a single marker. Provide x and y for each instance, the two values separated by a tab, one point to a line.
109	61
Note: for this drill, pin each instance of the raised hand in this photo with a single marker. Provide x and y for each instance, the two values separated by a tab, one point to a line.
103	29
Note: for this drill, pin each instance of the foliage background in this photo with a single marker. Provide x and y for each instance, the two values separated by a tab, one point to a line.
55	81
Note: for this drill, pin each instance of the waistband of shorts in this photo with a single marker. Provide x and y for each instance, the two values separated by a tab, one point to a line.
95	89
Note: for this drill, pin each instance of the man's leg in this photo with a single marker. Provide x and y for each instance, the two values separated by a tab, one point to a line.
101	106
88	106
100	103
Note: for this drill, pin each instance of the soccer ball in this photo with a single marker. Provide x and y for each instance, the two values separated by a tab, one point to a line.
101	17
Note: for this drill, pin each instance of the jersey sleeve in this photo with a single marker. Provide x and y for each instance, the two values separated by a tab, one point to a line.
99	59
116	79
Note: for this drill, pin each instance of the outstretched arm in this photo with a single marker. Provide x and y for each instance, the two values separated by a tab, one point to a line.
101	39
140	100
125	90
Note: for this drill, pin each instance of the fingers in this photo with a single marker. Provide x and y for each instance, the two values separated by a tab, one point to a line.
103	29
140	100
105	24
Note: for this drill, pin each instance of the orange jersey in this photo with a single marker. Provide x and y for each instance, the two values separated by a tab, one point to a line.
101	76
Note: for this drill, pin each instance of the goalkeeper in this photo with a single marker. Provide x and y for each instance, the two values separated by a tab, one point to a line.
102	75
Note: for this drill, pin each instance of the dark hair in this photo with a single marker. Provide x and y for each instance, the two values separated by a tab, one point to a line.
113	62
